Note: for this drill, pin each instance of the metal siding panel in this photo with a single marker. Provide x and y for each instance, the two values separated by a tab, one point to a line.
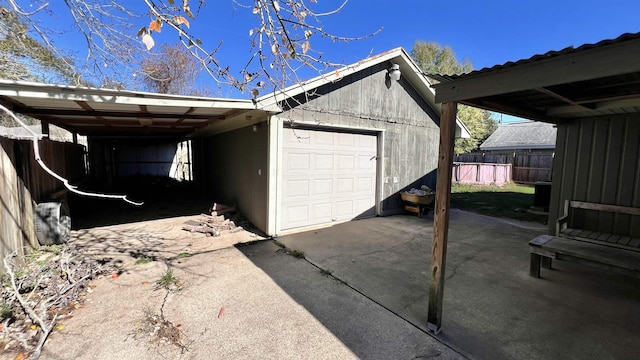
557	184
596	159
627	180
568	177
612	173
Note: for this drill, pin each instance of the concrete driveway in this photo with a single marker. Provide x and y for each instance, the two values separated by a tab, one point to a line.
240	297
492	309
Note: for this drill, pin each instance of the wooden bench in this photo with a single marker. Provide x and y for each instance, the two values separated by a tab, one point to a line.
618	253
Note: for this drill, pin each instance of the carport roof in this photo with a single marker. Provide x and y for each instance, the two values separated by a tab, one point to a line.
91	111
591	80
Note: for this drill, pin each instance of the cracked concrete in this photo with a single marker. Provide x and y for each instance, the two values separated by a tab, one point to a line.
237	300
492	308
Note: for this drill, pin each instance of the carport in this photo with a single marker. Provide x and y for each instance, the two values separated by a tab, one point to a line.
125	121
592	94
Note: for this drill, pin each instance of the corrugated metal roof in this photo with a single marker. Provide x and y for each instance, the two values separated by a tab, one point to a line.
524	135
538	57
592	80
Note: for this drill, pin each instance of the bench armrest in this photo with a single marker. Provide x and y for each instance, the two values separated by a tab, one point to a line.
561	224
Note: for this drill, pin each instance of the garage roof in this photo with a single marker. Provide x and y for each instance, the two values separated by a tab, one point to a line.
90	111
588	81
104	112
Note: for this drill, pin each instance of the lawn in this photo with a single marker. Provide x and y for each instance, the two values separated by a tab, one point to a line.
508	201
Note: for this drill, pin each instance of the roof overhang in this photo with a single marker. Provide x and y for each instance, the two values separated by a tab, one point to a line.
102	112
592	80
408	68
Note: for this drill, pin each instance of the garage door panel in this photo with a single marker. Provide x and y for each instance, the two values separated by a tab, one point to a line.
298	214
327	177
298	188
322	211
298	161
344	209
324	161
365	184
365	162
322	187
345	186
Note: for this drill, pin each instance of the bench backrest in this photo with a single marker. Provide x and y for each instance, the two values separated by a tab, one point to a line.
600	207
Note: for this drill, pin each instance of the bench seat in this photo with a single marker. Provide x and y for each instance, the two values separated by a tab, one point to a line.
545	248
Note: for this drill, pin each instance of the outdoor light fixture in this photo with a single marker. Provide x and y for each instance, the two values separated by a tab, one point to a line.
394	72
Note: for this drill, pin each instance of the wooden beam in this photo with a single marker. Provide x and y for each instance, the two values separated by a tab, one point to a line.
44	125
127	114
441	217
616	58
506	107
562	98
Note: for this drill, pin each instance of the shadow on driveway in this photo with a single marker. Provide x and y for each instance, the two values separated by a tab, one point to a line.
492	308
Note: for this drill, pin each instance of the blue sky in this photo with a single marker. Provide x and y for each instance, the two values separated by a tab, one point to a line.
484	32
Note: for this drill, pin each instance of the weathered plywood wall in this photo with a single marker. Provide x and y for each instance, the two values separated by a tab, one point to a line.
232	169
368	99
23	184
17	229
598	160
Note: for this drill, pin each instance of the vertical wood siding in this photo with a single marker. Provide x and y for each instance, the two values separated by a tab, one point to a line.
368	100
23	183
598	160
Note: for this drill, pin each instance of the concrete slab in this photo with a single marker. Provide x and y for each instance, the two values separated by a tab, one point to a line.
237	300
492	308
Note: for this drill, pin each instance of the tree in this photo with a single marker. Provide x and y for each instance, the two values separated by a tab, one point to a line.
435	59
280	41
24	58
170	71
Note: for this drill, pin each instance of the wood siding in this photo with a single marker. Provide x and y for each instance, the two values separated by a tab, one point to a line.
232	168
368	99
23	184
598	160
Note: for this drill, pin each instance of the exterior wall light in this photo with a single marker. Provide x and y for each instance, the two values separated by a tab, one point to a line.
394	72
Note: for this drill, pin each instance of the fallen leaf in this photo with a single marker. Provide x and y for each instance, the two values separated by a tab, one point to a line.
221	312
19	356
145	283
60	327
34	327
115	275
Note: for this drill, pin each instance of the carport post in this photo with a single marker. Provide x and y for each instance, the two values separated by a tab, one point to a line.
441	215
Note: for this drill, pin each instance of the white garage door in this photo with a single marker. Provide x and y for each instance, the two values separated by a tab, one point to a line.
327	176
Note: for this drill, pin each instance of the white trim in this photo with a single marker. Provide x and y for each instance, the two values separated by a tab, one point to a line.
320	126
380	173
273	182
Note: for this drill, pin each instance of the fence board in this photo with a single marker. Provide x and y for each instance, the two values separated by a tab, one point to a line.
526	167
479	173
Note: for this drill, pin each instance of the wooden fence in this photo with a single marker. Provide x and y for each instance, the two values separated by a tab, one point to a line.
480	173
527	168
23	183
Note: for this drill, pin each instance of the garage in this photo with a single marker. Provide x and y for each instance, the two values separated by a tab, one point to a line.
327	176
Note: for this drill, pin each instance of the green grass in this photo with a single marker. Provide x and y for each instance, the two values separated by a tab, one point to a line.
508	201
6	310
168	279
144	260
183	255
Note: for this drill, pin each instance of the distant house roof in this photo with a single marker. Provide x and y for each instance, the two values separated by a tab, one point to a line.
519	136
